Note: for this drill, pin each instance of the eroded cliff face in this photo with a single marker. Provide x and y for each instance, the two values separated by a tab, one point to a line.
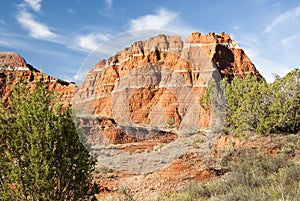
160	81
13	67
225	53
156	83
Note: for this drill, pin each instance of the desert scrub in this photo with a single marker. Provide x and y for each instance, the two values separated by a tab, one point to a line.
121	195
251	178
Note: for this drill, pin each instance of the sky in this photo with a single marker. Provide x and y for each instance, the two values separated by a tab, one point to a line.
58	36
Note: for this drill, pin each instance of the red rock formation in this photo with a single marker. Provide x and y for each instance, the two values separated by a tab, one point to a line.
13	67
157	82
228	57
160	80
11	60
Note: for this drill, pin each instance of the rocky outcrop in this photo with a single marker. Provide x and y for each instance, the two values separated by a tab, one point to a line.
226	54
11	60
154	84
105	131
13	67
159	82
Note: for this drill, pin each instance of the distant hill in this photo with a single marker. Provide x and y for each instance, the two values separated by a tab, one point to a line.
13	67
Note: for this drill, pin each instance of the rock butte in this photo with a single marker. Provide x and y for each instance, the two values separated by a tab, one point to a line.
121	87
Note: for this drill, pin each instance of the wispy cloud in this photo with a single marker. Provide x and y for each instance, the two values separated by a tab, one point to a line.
261	48
91	41
11	40
28	21
27	17
285	17
34	4
263	63
258	51
36	29
109	3
4	43
281	37
289	39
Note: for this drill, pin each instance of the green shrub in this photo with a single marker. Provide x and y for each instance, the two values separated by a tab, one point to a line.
41	157
265	108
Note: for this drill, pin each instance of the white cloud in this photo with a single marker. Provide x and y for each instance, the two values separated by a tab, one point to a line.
285	17
109	3
164	20
34	4
29	22
289	39
161	19
36	29
91	41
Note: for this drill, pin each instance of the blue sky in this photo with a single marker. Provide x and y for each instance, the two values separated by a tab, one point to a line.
56	36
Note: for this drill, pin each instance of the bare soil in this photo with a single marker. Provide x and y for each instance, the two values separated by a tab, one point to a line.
206	160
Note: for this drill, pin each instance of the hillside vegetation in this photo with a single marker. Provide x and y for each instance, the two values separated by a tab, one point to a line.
42	157
255	105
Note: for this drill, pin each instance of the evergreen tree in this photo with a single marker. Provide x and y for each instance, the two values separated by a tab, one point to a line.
265	108
285	109
41	154
243	102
